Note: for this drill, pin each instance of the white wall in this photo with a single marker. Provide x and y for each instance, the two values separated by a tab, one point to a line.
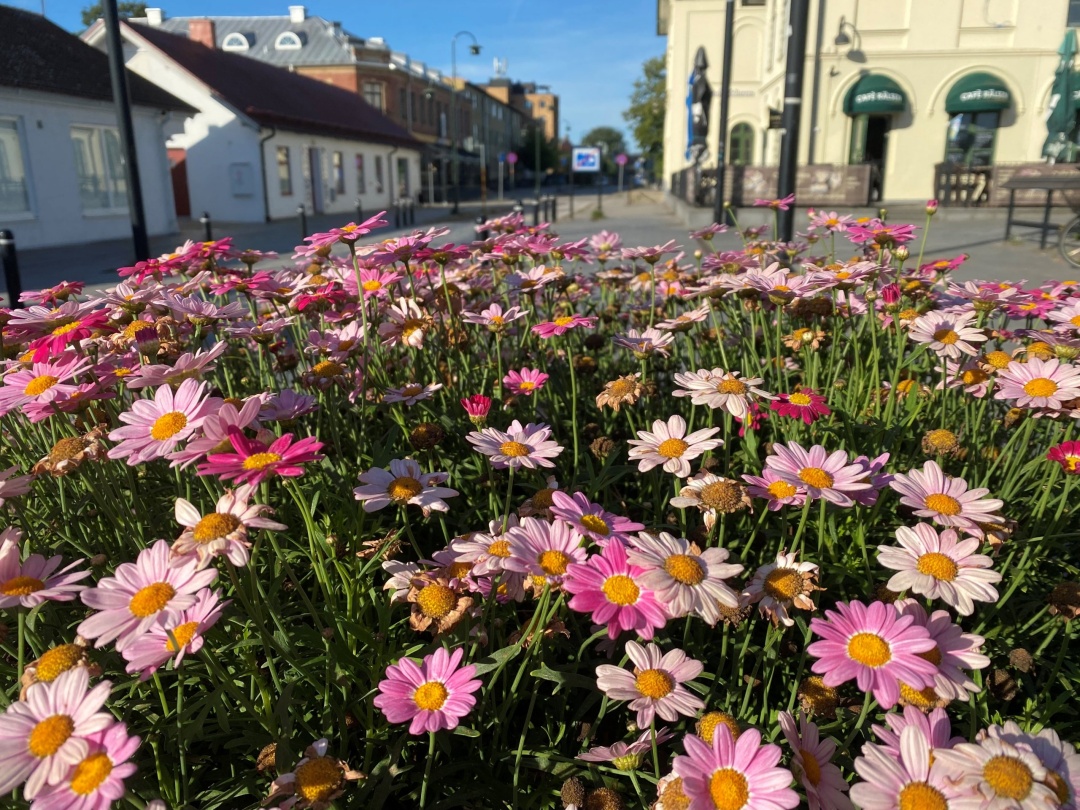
57	218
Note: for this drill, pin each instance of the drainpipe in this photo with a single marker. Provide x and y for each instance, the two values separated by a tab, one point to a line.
262	168
816	95
391	172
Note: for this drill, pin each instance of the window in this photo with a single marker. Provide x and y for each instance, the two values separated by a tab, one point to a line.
361	183
235	42
378	175
288	41
14	190
99	168
1074	14
284	171
403	177
402	111
412	104
373	95
741	146
753	2
338	161
970	138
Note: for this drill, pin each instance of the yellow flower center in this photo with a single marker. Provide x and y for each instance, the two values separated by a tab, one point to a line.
974	376
151	599
800	399
39	385
1056	782
1040	387
48	735
869	649
710	721
328	369
728	789
909	314
514	449
621	388
430	696
404	488
500	548
932	655
672	448
815	477
781	490
1008	777
90	773
21	586
811	767
1072	463
67	327
925	699
410	326
724	496
215	526
553	562
921	796
943	504
372	285
938	565
318	779
946	336
57	661
436	600
541	499
654	683
1075	321
783	584
168	425
998	359
673	796
731	386
260	461
621	590
458	569
595	524
563	321
183	634
684	568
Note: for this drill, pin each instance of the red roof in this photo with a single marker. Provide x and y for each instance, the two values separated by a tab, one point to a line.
273	96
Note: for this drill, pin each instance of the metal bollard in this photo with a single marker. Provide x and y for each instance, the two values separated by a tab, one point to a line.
397	214
302	211
11	269
518	207
554	208
207	230
359	211
481	235
412	212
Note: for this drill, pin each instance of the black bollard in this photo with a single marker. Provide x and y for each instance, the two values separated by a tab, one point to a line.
11	269
207	230
359	211
554	207
482	235
412	212
536	213
397	214
302	211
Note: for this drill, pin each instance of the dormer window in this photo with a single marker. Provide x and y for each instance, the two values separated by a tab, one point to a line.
288	41
235	42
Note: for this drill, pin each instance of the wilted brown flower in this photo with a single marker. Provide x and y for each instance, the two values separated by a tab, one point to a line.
426	435
315	782
572	793
585	365
1021	659
1002	686
624	390
940	442
391	542
1013	416
1065	601
883	594
67	455
602	447
267	760
604	799
801	337
55	662
817	698
436	606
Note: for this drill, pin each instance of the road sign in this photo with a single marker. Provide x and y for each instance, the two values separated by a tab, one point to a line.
621	159
776	118
502	156
511	158
585	159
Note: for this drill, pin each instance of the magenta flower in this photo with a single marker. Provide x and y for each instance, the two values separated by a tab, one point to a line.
881	234
807	405
477	407
346	234
782	204
830	476
591	519
254	462
96	781
63	336
874	645
740	773
35	580
563	324
525	382
155	427
433	696
607	586
1067	454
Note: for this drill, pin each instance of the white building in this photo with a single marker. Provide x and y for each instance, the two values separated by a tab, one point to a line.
62	178
266	140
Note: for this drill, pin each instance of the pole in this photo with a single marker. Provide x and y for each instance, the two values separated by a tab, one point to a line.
127	130
571	189
536	165
455	176
10	261
483	180
599	194
719	214
816	90
620	177
500	180
793	85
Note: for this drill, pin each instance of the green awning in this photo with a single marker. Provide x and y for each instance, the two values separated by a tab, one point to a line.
874	93
978	92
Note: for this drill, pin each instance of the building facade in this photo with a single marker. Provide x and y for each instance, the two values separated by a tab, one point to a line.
900	87
532	100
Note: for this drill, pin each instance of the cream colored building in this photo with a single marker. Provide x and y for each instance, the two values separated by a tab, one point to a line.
901	83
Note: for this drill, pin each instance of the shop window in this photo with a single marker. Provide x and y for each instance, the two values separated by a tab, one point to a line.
284	170
361	182
14	190
338	161
378	174
741	145
1074	14
971	137
99	168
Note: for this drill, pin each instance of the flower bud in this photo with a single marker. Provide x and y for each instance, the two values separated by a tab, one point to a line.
931	207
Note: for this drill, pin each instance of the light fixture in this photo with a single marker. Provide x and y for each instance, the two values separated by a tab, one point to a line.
474	50
842	38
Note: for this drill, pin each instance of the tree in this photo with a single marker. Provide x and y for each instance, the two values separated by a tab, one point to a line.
90	14
646	111
549	150
611	143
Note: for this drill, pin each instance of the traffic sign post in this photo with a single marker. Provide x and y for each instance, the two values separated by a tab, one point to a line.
587	159
620	160
512	159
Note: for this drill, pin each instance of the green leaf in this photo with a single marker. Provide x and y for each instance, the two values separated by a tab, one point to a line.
496	658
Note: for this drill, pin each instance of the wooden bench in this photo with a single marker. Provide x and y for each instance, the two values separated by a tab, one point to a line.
1046	183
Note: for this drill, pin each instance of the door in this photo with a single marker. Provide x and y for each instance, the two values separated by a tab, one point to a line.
316	173
178	171
869	143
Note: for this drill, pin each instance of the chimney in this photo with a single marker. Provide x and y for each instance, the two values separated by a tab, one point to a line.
297	14
154	16
201	29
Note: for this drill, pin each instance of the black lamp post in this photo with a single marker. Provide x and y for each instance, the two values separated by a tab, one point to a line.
474	49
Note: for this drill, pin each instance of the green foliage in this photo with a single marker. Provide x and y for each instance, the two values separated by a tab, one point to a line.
526	150
611	143
646	111
91	13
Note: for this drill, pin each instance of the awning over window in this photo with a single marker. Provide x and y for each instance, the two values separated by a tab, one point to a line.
874	93
978	92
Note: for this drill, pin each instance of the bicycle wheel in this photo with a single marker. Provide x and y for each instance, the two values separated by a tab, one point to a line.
1069	242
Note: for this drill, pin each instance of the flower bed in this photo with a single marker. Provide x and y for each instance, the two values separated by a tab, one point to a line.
531	524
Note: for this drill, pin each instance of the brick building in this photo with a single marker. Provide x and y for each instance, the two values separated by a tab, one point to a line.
533	100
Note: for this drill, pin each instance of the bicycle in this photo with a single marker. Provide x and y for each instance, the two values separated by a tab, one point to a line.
1069	241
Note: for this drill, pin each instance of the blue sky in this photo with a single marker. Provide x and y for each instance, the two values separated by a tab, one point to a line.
589	51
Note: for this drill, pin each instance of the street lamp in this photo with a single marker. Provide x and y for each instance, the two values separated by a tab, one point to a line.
474	49
855	54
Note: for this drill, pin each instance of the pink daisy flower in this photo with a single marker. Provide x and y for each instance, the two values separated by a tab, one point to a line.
494	317
655	687
346	234
42	382
406	324
940	567
376	282
778	586
215	431
626	756
734	774
830	477
646	343
96	781
807	405
720	389
477	407
905	781
35	580
433	696
152	590
12	486
812	763
1002	776
543	550
525	382
154	427
411	394
254	462
875	646
955	652
771	486
591	519
66	334
562	325
608	587
1061	759
1039	383
528	446
949	334
404	483
224	531
1067	454
781	204
668	444
946	500
176	638
45	735
935	727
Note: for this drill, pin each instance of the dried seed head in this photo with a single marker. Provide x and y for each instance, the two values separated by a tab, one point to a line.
426	435
573	792
1021	659
1065	601
267	761
602	447
817	698
1002	686
940	442
604	799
